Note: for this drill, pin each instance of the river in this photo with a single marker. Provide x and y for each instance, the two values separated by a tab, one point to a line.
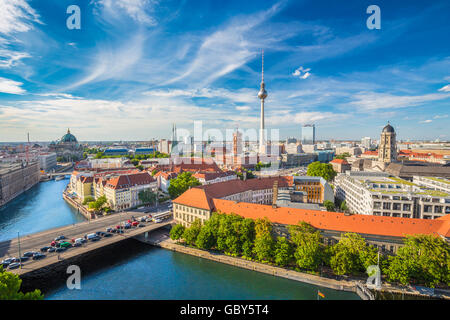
142	271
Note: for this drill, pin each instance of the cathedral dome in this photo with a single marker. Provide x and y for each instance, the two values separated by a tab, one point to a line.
68	137
388	128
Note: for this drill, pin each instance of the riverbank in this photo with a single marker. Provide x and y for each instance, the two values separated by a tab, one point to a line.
81	209
161	239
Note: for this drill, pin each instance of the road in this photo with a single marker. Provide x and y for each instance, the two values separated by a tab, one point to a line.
34	242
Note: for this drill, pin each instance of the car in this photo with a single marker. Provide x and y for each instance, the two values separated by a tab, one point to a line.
127	226
53	243
158	220
143	219
77	244
4	264
109	229
9	260
93	237
45	249
140	225
65	244
119	231
119	227
107	234
51	249
29	254
60	249
134	224
148	220
14	265
38	256
24	258
60	238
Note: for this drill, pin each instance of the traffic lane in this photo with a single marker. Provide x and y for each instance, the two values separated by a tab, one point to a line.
54	257
75	231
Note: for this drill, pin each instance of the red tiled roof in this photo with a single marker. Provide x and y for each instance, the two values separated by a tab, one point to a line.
129	180
339	161
370	153
336	221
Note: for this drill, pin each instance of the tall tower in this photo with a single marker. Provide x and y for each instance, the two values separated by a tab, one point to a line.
387	150
262	94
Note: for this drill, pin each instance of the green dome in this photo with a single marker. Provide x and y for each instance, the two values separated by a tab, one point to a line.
68	137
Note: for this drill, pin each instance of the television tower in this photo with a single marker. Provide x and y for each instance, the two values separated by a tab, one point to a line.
262	94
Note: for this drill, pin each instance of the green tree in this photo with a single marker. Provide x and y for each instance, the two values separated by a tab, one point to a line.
343	156
308	250
190	234
423	258
324	170
329	205
176	233
147	196
182	183
87	200
283	252
10	285
247	235
343	206
264	243
206	239
352	255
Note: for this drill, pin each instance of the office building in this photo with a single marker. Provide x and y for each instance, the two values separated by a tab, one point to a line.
16	178
309	134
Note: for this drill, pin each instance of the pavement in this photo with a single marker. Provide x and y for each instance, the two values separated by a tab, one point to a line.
33	242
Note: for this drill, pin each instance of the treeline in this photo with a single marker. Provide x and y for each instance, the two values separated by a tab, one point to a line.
423	259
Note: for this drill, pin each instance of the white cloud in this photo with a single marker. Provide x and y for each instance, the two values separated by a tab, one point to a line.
243	108
16	16
426	121
138	10
440	116
11	86
445	88
10	58
302	73
374	101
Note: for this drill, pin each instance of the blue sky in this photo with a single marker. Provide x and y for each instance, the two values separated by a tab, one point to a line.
137	66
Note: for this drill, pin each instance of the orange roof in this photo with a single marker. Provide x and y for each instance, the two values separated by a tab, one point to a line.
337	221
195	197
371	153
339	161
129	180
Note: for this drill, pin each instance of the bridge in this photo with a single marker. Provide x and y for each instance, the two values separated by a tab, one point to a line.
34	242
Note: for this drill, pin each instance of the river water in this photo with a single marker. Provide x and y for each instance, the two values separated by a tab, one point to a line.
142	271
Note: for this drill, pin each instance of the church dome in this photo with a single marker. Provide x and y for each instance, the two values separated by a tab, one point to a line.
388	128
68	137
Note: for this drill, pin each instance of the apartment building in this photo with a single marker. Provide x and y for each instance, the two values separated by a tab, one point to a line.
16	178
379	194
317	189
47	161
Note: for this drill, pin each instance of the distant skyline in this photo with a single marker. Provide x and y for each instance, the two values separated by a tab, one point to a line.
137	66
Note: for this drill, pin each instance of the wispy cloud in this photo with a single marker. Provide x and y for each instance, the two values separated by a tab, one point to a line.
445	88
138	10
16	16
426	121
11	86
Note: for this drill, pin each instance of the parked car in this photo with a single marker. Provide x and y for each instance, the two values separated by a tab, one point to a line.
45	249
38	256
51	249
60	238
60	249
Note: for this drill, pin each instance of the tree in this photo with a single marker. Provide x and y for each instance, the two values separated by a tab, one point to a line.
324	170
247	236
10	285
206	239
352	255
424	258
87	200
283	251
147	197
182	183
308	250
98	204
190	234
264	243
329	205
343	156
176	233
343	206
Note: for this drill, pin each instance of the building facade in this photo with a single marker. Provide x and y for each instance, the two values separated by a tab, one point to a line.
16	178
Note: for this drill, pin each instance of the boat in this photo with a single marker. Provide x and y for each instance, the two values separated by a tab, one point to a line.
57	178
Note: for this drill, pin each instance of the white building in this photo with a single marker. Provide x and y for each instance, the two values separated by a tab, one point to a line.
374	193
47	161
